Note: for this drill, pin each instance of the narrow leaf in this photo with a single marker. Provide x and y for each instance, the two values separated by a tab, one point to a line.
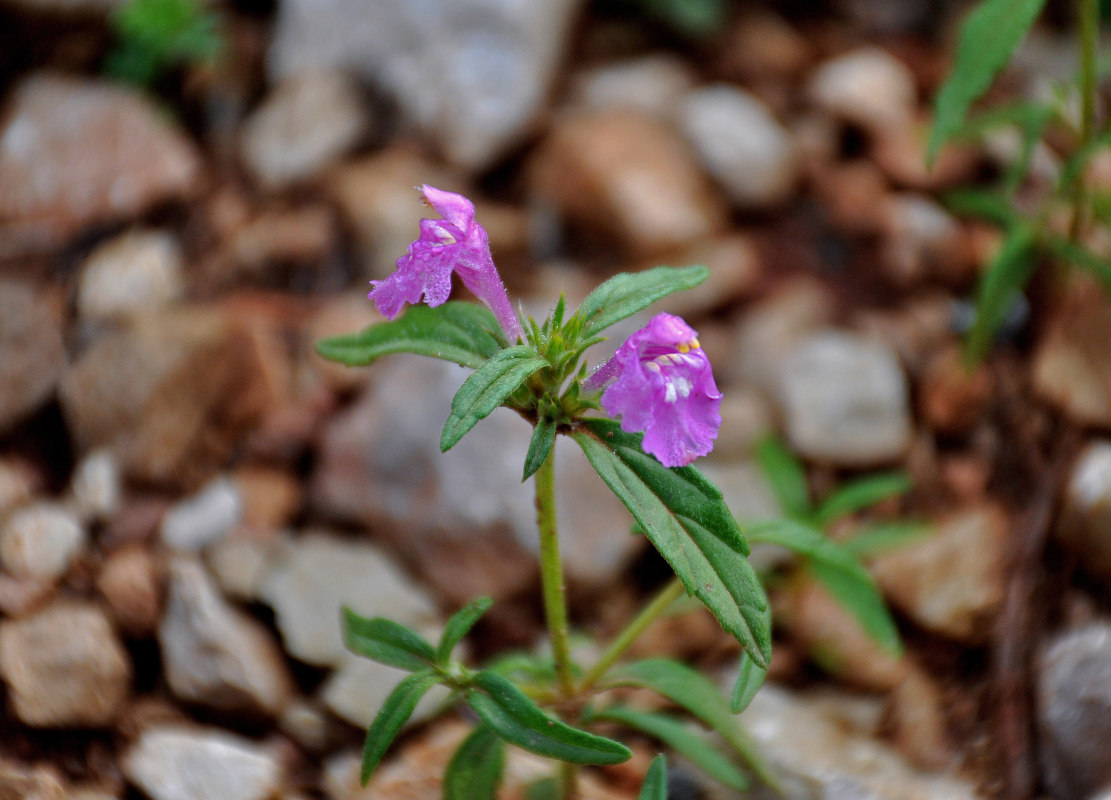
543	439
459	626
883	537
786	476
749	680
680	738
655	780
395	712
1000	285
386	641
487	388
989	36
860	494
1098	266
987	205
475	770
629	292
465	333
511	715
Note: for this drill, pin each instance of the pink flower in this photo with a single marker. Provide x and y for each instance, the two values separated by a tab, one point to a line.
455	243
660	382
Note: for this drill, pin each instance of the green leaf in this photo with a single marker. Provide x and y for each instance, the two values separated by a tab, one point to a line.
989	36
840	572
458	331
543	440
395	712
475	770
749	680
459	626
684	517
1006	276
487	388
511	715
386	641
655	780
860	494
1085	259
678	737
882	537
987	205
786	476
629	292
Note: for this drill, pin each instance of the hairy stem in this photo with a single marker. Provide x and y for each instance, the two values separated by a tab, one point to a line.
1088	24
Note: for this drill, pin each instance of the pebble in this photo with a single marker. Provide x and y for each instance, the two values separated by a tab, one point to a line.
75	152
177	763
1074	711
653	84
736	268
41	541
64	667
16	485
952	398
205	518
131	584
97	486
845	400
142	270
761	44
1084	523
303	125
741	144
271	497
951	581
867	87
32	355
921	237
241	563
213	654
25	782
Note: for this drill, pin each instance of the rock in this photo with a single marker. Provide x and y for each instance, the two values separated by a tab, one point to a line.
16	484
305	235
358	688
471	75
177	763
952	581
21	596
214	655
741	144
735	271
205	518
304	124
138	271
76	152
307	723
918	718
242	562
845	400
316	575
867	87
652	84
953	398
898	151
746	418
628	176
64	667
1074	711
921	238
23	782
271	497
32	355
762	44
1084	523
1071	368
41	541
131	584
854	194
816	758
96	486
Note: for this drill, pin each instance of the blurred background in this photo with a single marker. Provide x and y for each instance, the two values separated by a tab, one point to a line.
191	194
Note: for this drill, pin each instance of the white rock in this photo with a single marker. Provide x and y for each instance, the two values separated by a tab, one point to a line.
1084	524
921	235
845	400
97	487
41	541
172	763
15	485
204	518
654	84
868	87
138	271
303	125
741	144
241	564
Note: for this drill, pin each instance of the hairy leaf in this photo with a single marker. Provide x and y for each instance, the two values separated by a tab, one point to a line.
459	626
860	494
1000	285
386	641
655	780
786	476
475	770
625	294
395	712
543	440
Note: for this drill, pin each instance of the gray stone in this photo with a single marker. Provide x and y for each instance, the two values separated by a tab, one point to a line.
653	84
32	355
1084	524
41	541
96	486
471	74
214	655
316	575
845	400
922	238
743	147
868	87
64	667
241	564
205	518
139	271
176	763
1074	711
304	124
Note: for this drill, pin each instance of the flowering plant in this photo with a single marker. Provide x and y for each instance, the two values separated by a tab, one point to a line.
660	384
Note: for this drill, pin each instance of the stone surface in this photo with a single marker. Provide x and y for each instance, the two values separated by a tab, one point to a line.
215	655
17	482
868	87
205	518
625	175
32	355
317	574
97	487
131	584
921	238
304	124
845	400
24	782
1071	368
76	152
64	667
951	581
41	541
1074	711
139	271
736	268
470	74
176	763
241	563
652	84
741	144
1084	523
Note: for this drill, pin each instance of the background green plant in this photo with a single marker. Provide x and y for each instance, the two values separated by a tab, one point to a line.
155	36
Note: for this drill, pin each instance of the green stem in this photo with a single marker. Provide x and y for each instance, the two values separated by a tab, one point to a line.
660	603
1088	14
551	575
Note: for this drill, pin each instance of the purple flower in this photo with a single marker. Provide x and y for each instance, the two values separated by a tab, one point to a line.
454	243
660	382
